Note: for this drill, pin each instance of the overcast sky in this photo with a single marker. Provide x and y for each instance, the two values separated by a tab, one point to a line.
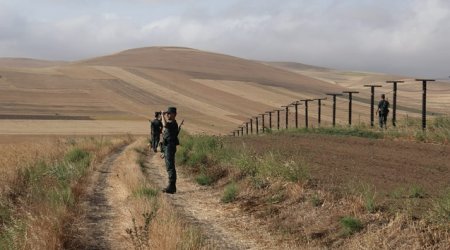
409	37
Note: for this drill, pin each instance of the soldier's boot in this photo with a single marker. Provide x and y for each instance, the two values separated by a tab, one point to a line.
171	188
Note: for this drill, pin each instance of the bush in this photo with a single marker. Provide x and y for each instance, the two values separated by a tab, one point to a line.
416	192
76	155
204	180
230	193
197	150
350	225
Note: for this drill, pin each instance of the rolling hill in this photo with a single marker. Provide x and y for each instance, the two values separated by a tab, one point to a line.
117	93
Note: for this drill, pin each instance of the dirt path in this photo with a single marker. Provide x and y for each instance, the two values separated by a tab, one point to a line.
100	224
92	230
223	224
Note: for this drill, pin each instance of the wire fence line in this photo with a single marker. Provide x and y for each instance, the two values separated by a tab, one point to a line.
260	122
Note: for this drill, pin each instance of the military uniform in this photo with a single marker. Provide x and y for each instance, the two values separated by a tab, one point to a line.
156	127
383	107
170	143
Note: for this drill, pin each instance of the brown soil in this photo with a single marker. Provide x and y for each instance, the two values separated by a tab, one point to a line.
386	164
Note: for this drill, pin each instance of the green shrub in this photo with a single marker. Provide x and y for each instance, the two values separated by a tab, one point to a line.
204	180
230	193
416	192
76	155
368	195
350	225
197	150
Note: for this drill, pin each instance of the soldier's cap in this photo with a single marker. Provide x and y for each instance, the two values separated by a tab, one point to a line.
172	110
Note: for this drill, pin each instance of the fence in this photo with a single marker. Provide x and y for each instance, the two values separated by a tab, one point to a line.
305	103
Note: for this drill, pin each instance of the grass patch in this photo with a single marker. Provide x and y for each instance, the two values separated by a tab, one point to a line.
146	192
368	196
204	180
340	131
416	192
230	193
442	209
350	225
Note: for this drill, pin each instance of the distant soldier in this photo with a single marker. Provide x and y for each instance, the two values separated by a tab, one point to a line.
170	143
155	130
383	111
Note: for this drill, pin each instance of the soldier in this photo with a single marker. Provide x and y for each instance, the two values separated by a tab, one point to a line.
383	111
156	129
170	142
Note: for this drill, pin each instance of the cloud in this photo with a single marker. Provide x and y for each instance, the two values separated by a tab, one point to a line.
407	37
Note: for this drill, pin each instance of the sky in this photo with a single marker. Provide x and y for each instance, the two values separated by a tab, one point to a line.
407	37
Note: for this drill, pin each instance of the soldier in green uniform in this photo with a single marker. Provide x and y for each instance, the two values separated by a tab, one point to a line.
156	129
170	143
383	111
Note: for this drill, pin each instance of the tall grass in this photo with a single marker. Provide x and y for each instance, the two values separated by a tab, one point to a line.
40	190
438	130
208	156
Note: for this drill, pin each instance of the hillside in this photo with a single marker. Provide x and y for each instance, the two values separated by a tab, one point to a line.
214	93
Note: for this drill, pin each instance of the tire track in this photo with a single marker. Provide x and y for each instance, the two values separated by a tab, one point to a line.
93	228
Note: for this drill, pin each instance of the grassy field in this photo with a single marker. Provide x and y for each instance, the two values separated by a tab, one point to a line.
41	183
293	182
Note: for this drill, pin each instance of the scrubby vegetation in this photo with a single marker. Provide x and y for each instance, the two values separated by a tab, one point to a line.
280	189
438	130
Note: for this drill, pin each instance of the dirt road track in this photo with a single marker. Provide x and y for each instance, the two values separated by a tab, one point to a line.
92	231
223	224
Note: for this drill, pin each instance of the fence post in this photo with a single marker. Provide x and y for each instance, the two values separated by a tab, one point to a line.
372	100
334	106
296	103
278	119
257	127
394	102
350	102
306	111
287	115
242	130
263	123
270	119
319	111
424	101
246	128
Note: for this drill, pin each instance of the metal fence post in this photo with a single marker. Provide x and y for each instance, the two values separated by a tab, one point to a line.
350	102
334	106
424	101
372	100
394	102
